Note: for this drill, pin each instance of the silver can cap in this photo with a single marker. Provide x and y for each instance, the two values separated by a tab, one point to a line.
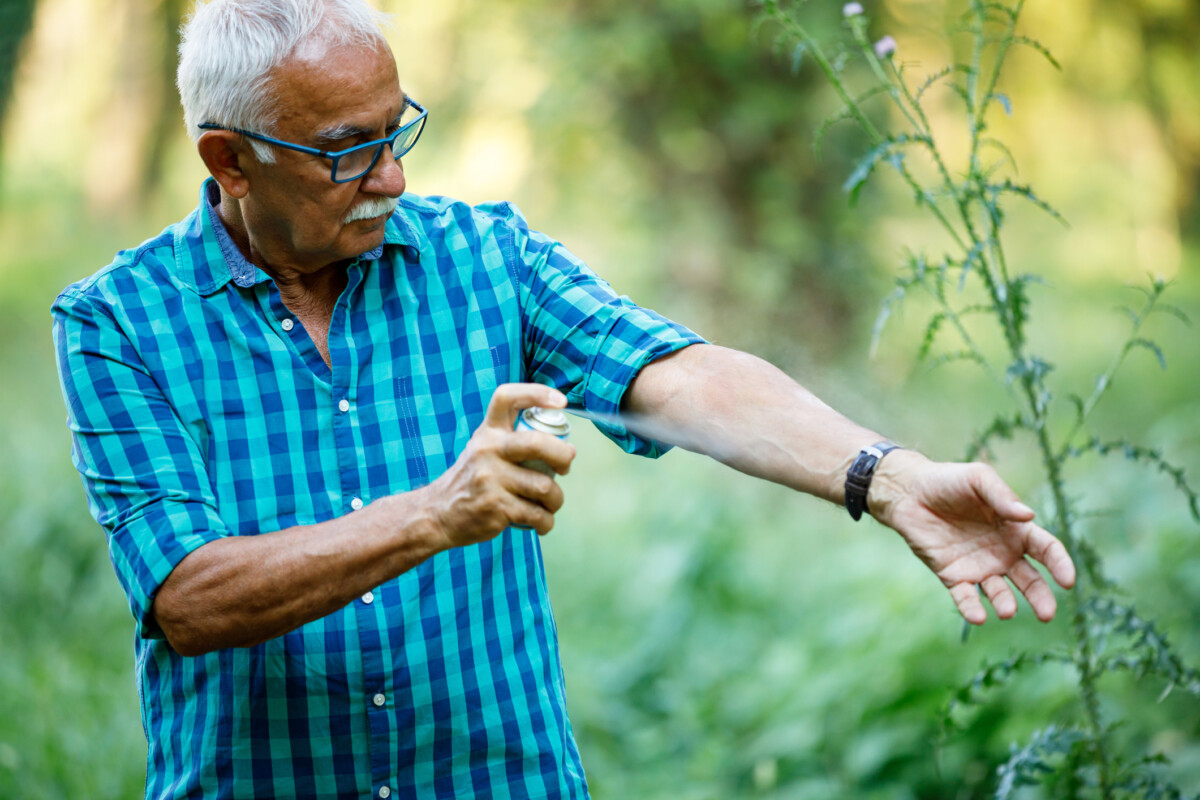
547	420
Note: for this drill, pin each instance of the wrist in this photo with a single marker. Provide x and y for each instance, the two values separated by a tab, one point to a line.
860	474
892	482
412	517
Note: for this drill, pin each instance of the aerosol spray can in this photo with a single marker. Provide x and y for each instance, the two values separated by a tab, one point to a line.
546	420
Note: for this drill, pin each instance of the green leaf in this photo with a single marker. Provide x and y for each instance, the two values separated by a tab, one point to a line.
1144	455
885	310
1029	368
1008	187
1001	427
1028	765
886	151
1173	311
954	357
974	257
798	56
990	141
1036	45
1148	651
931	330
1152	347
938	76
845	114
992	675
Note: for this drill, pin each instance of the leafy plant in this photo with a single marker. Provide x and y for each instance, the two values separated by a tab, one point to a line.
975	293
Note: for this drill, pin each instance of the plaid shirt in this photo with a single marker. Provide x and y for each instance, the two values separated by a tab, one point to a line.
200	409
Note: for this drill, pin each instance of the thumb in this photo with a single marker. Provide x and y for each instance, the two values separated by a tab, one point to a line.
510	398
992	489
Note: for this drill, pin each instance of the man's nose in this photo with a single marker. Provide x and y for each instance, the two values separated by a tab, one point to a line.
386	177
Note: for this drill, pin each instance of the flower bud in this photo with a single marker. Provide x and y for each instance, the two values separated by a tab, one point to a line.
852	9
885	47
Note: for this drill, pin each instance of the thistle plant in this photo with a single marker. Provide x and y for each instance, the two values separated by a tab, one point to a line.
978	298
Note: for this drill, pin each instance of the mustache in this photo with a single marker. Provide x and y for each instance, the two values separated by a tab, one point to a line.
372	208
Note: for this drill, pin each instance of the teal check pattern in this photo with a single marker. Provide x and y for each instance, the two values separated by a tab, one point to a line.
199	409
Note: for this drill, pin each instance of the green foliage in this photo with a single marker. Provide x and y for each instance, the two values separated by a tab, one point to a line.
1080	758
1031	764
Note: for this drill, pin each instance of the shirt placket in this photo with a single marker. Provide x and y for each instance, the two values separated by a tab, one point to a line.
377	690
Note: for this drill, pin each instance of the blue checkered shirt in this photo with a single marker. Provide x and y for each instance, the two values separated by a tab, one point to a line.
199	409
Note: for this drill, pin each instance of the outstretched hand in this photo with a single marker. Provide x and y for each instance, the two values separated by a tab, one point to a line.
971	530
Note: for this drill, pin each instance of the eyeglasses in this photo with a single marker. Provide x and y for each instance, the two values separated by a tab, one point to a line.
353	162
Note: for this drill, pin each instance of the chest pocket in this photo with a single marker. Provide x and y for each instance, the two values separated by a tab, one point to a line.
410	431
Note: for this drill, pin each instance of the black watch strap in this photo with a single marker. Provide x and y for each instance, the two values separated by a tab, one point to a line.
858	478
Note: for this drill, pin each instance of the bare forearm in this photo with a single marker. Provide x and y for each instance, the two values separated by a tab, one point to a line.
243	590
751	416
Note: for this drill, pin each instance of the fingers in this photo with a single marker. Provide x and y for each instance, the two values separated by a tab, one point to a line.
526	514
966	597
1031	584
510	398
1000	596
1042	545
1028	581
536	487
532	445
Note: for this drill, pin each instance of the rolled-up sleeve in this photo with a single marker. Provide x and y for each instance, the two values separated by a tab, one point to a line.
579	335
143	473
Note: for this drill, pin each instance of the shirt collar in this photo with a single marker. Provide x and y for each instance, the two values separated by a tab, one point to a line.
208	258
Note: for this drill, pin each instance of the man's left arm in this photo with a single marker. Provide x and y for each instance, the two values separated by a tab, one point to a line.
961	520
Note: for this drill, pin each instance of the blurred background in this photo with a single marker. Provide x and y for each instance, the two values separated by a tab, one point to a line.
722	638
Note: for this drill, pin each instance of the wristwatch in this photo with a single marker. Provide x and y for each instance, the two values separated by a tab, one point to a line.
858	477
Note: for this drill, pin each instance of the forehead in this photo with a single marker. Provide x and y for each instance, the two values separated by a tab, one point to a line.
322	85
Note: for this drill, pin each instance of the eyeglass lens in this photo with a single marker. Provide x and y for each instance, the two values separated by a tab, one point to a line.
358	163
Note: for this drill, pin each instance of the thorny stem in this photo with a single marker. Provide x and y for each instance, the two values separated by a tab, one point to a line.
1084	661
951	187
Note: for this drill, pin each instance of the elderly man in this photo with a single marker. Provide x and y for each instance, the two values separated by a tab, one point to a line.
293	412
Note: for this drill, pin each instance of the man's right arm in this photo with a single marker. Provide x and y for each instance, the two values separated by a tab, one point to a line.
189	578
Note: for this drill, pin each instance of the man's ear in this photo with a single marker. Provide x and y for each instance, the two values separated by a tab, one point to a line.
223	152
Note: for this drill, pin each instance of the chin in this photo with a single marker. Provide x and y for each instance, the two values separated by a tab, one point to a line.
369	239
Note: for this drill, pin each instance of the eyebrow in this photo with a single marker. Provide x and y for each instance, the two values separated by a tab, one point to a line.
331	136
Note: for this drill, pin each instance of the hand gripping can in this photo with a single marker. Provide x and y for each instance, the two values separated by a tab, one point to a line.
545	420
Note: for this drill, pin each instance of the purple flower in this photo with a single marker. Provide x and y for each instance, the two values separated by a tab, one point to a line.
852	9
885	47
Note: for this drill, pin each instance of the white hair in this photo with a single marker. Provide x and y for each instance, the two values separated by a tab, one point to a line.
229	47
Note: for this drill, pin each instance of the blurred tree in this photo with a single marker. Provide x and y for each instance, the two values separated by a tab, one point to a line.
165	106
16	20
709	123
1169	78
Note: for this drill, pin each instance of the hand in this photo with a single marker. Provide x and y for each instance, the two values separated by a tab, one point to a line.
486	490
971	529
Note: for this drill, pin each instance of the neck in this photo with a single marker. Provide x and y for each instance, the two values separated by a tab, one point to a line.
305	283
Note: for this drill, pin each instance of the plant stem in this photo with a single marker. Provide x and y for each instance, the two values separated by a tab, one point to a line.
1084	660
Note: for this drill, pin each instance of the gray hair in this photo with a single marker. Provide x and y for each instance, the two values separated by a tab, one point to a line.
229	48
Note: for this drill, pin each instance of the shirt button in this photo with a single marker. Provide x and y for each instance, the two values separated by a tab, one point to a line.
288	324
356	503
385	792
343	405
368	598
379	699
